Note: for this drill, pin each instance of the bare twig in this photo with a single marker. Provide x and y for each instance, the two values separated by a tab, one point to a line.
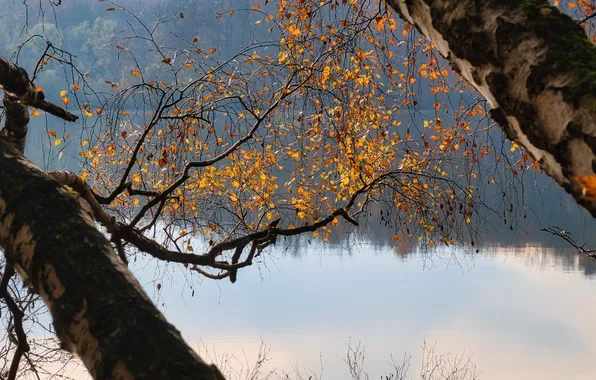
17	316
566	235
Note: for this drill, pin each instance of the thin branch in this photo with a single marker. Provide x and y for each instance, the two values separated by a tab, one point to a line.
200	164
17	316
587	18
566	235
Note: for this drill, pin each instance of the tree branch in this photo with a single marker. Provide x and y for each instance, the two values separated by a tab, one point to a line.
18	88
565	235
17	317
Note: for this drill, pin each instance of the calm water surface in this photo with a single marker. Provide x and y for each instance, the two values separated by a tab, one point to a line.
518	312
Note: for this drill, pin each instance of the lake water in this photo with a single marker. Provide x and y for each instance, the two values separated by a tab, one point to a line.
517	312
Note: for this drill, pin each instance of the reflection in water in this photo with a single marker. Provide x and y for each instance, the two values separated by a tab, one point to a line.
520	313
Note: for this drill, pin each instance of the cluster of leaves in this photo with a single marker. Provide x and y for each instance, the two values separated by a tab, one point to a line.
333	109
311	121
338	108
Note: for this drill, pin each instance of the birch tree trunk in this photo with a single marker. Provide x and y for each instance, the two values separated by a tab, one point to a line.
99	310
536	68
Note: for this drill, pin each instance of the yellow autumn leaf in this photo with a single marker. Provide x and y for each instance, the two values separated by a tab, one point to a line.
88	113
63	92
84	143
35	113
57	142
282	56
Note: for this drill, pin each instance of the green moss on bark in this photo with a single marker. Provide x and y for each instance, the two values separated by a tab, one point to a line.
569	50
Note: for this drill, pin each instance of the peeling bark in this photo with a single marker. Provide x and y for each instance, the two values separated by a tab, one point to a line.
98	308
536	68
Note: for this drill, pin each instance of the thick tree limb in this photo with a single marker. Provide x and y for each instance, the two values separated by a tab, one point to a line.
15	126
70	179
18	88
98	308
536	68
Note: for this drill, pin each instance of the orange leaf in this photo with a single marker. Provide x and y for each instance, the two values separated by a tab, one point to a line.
589	186
135	73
